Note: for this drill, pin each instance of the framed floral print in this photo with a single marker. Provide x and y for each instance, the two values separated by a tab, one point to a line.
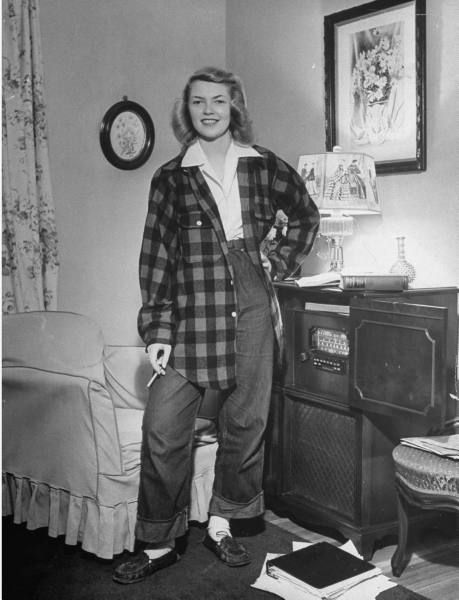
375	83
127	135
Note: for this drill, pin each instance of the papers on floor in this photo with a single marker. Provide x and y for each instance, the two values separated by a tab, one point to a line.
367	589
442	445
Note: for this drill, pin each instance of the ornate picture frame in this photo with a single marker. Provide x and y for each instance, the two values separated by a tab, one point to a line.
375	58
127	135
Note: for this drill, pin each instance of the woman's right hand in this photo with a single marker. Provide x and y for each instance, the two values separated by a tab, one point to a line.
159	356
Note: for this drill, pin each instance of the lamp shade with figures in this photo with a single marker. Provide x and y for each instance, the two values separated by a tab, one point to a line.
342	184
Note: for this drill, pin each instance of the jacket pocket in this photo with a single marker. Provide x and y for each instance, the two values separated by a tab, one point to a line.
198	240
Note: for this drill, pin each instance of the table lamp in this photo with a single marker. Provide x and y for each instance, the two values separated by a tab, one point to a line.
342	184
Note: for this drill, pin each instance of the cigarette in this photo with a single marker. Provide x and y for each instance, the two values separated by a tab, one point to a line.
152	380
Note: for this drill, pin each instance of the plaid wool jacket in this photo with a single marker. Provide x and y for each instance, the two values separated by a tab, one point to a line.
186	281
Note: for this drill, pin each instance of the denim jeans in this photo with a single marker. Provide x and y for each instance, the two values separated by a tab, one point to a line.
169	419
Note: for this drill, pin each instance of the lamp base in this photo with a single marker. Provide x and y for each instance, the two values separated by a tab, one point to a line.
336	254
335	227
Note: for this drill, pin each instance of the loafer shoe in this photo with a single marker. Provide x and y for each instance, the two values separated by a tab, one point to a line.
141	566
230	551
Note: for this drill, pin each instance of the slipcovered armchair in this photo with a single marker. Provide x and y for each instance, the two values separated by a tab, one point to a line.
72	414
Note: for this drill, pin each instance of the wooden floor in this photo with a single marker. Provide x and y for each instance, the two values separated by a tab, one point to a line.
434	567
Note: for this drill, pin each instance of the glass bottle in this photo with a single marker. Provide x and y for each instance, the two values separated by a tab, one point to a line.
401	266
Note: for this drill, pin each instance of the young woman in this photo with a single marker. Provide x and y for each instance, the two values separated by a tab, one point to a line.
209	315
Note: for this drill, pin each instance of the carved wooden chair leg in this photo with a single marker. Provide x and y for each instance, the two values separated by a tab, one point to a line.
367	547
401	556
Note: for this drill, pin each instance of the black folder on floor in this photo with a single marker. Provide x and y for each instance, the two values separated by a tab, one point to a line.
321	569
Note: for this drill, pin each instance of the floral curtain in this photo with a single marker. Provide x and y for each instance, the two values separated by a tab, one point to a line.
29	240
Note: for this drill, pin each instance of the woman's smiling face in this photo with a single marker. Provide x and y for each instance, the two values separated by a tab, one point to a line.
210	109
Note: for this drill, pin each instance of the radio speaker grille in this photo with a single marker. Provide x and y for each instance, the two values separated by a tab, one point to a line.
320	457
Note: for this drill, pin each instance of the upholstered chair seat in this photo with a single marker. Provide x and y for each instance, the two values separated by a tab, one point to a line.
424	480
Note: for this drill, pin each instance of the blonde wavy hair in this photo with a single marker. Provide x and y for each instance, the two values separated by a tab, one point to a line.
240	124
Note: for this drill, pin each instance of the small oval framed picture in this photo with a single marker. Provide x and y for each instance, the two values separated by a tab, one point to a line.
127	135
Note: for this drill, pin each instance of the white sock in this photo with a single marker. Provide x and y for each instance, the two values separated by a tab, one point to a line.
218	527
153	553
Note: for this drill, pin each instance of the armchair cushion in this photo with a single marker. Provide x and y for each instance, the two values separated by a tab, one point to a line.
129	422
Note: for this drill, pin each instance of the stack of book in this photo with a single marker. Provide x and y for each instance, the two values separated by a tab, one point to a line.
374	282
369	282
321	570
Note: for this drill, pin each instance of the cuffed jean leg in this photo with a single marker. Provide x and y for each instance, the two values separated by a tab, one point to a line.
243	417
167	445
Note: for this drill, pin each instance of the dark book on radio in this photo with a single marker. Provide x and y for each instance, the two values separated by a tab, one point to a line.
321	569
374	282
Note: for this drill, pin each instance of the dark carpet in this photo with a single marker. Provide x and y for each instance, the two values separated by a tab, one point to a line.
36	567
